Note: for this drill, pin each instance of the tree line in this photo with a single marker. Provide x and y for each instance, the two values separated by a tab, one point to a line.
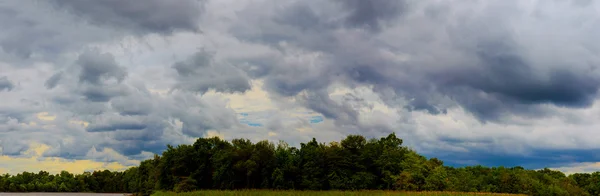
354	163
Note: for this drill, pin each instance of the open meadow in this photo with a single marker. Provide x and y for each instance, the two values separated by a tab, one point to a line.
321	193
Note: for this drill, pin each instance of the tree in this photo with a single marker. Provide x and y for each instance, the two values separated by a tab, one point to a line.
354	163
438	180
313	166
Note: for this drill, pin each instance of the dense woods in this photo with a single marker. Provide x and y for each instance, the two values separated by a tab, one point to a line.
354	163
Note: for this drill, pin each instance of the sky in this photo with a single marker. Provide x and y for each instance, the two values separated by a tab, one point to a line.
88	85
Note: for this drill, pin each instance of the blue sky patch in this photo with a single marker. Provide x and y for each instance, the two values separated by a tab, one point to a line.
316	119
244	120
255	124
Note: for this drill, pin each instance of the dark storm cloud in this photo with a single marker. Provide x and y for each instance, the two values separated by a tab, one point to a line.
135	147
197	121
34	30
96	67
454	55
149	16
117	123
100	77
309	21
495	59
20	43
129	106
53	80
138	102
371	14
535	159
6	84
510	83
146	134
201	73
322	103
102	93
196	116
125	116
134	141
12	46
72	103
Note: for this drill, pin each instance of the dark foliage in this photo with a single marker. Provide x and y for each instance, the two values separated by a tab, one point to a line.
355	163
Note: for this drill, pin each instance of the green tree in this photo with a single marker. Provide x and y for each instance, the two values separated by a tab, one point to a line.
313	166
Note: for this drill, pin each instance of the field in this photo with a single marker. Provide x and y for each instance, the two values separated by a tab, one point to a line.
321	193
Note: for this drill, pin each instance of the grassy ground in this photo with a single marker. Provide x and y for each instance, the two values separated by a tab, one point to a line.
320	193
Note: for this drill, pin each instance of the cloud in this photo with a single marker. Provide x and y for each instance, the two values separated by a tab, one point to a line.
53	80
96	67
371	14
321	102
200	74
102	93
467	82
198	116
34	31
94	76
136	103
116	123
6	84
470	67
154	16
89	90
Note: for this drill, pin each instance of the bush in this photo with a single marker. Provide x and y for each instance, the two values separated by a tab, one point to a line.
186	185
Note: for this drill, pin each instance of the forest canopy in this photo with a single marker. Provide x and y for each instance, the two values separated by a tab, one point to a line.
354	163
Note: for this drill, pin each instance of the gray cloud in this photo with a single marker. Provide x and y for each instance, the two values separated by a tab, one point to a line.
96	67
521	68
322	103
158	16
100	77
38	49
8	125
6	84
53	80
501	80
371	14
435	64
35	31
102	93
72	103
198	116
141	104
115	123
201	73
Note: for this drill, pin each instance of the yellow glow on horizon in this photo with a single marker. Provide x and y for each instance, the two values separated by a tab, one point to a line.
585	167
34	162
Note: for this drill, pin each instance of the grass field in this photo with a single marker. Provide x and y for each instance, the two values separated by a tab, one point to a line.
320	193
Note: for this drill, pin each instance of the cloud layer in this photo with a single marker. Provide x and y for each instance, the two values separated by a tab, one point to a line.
486	82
